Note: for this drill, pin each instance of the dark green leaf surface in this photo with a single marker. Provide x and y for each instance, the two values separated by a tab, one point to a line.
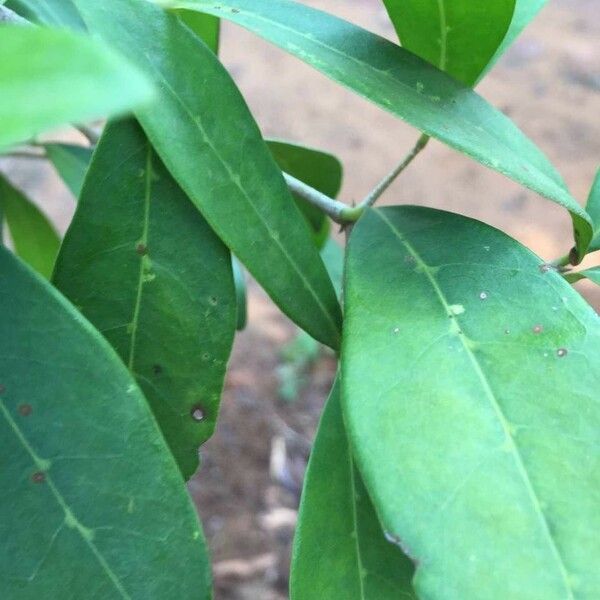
205	26
459	37
71	163
339	549
207	138
470	386
320	170
55	13
34	238
92	505
56	77
593	208
525	12
406	86
144	267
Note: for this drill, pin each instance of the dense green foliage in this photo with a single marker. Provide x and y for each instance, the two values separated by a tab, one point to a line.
458	455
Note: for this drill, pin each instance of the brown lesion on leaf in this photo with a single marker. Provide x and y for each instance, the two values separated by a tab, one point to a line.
25	410
38	477
141	249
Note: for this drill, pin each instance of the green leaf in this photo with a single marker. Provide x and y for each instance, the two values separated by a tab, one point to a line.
207	27
593	208
232	179
339	547
93	505
593	274
320	170
525	12
459	37
55	77
71	163
406	86
55	13
241	294
34	238
333	258
143	266
470	380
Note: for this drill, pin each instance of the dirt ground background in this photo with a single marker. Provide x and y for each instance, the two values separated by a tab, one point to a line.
247	491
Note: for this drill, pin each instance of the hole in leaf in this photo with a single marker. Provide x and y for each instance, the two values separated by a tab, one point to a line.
198	413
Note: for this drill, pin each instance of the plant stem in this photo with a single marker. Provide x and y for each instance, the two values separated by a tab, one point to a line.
333	208
11	17
23	154
342	213
385	183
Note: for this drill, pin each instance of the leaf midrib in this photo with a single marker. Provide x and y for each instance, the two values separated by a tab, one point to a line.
424	267
144	242
42	465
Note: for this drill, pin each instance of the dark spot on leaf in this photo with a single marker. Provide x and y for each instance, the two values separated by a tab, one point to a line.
205	356
235	10
157	369
141	249
197	413
25	410
2	389
538	329
562	352
213	300
38	477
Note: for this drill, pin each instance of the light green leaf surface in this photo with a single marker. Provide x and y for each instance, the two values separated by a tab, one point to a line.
459	37
45	64
525	12
54	13
593	274
593	208
320	170
34	238
71	163
332	254
241	294
207	138
339	549
406	86
470	389
144	267
92	504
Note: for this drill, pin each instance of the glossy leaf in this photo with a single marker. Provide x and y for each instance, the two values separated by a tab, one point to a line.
144	267
34	238
470	380
406	86
71	163
44	65
593	208
92	503
459	37
339	548
232	179
320	170
525	12
54	13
